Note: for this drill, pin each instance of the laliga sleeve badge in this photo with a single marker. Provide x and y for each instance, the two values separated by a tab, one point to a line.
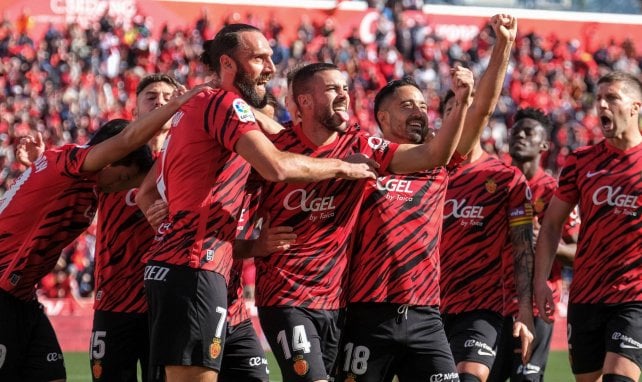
243	110
96	369
215	348
491	186
300	366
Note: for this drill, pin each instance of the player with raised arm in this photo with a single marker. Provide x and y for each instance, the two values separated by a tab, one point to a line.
605	302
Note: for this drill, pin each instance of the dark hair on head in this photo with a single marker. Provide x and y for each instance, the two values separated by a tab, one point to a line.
271	100
388	90
631	82
154	78
535	114
226	42
442	105
302	77
289	76
141	157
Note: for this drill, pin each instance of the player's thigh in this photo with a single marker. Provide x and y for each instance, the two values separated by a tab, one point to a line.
118	341
474	336
369	347
295	342
624	335
503	365
44	358
188	311
586	325
243	356
428	356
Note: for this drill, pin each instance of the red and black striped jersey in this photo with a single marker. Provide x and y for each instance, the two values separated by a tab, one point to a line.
395	258
236	309
313	272
202	180
48	206
606	183
123	235
542	187
483	201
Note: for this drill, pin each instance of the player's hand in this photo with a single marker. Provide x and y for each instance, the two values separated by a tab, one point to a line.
29	149
524	328
157	213
544	301
504	26
462	84
273	239
359	166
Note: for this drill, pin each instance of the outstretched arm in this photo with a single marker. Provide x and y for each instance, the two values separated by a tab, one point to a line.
489	87
136	134
522	245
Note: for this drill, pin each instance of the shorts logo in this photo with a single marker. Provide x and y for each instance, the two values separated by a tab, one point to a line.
3	354
156	273
443	377
626	341
258	361
483	350
301	366
53	357
215	348
96	369
243	111
528	369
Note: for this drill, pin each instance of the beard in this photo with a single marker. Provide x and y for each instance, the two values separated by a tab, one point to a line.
247	88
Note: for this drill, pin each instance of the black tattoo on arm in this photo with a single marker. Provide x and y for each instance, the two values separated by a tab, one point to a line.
523	254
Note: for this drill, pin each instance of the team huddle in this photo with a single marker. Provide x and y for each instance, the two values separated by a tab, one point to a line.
411	253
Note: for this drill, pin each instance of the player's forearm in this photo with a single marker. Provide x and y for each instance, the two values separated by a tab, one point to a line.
522	246
294	168
545	250
486	96
147	193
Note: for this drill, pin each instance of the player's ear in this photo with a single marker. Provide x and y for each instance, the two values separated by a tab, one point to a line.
227	62
304	100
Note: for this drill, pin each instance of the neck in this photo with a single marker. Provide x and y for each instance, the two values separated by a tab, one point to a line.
628	139
317	133
528	168
475	153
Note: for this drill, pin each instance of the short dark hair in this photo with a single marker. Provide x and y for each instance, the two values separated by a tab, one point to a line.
289	76
302	77
535	114
631	81
141	157
153	78
226	41
388	90
442	105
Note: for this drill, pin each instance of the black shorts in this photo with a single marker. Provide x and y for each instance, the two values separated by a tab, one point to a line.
508	363
305	342
474	336
594	329
29	349
243	355
118	342
187	312
381	340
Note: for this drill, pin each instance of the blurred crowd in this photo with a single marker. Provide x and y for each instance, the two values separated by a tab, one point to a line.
70	80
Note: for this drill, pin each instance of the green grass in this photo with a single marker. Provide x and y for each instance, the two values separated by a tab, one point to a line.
557	370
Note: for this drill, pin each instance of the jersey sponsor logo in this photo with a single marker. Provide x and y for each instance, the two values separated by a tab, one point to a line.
591	174
54	357
3	354
243	111
461	211
614	198
443	377
129	197
394	185
626	342
377	143
156	273
308	202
